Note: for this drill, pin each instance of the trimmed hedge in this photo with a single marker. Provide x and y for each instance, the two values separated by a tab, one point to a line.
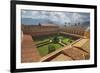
42	44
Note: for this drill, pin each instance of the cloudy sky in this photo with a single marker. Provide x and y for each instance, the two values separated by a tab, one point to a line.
56	17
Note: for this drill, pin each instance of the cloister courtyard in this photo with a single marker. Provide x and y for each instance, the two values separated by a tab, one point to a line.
51	43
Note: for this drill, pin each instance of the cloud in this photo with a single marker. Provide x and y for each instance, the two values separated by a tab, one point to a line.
61	17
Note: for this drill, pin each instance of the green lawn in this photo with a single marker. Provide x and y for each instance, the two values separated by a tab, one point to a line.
43	50
66	40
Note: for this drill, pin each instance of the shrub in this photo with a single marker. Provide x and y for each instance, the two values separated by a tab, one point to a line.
43	43
51	48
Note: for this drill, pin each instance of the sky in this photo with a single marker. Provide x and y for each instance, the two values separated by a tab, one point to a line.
34	17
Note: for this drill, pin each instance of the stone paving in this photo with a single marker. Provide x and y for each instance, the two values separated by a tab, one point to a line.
29	52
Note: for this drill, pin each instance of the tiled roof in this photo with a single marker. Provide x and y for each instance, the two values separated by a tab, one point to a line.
75	53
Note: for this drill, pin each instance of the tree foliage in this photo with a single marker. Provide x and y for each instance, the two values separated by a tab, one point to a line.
55	39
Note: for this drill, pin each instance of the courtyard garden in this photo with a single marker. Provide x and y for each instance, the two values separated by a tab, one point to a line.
49	44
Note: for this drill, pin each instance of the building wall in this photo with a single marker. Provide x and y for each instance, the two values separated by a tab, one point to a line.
39	30
36	30
79	30
87	34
